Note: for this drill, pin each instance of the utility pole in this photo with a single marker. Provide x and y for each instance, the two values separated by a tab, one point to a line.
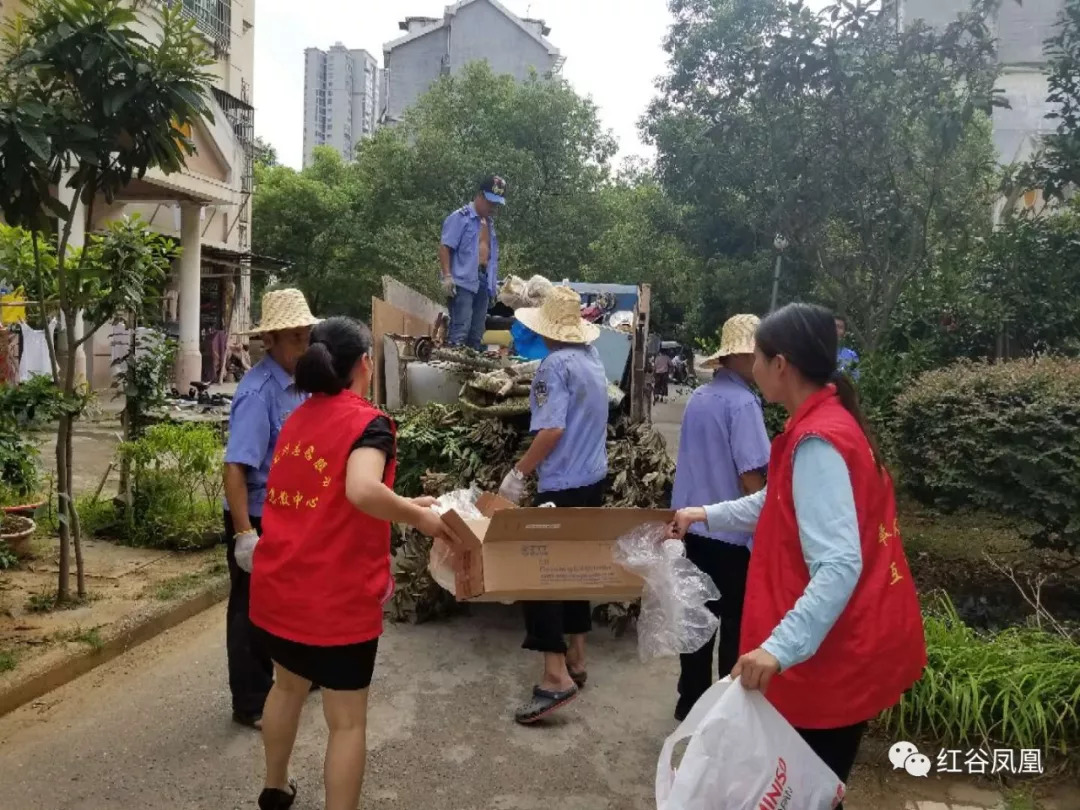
780	243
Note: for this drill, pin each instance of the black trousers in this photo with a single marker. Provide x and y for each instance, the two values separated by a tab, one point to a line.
251	673
727	565
837	747
548	623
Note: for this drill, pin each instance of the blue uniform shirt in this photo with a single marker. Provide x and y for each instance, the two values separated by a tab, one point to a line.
569	392
723	436
848	360
264	399
461	233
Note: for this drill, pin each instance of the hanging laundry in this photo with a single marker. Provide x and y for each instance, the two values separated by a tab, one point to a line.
35	354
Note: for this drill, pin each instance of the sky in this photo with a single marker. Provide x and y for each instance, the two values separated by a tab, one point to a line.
612	56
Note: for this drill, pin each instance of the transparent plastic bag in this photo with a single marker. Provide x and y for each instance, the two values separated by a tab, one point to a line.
674	618
441	562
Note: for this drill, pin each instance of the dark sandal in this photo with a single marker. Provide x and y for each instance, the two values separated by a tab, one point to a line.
543	703
274	799
579	678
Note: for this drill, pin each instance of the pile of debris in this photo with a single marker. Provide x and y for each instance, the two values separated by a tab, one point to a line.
442	448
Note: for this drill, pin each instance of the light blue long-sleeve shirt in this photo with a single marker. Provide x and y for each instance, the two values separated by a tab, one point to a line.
829	535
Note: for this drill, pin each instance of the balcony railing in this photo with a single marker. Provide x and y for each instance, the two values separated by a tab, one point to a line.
214	19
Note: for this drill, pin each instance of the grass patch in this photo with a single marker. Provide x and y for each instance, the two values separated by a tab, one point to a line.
1018	688
959	535
8	660
174	587
8	558
45	602
1020	799
183	584
90	637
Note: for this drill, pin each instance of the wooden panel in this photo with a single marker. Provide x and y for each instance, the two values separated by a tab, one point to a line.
409	300
389	320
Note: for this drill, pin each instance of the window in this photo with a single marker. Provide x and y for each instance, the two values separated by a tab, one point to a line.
213	18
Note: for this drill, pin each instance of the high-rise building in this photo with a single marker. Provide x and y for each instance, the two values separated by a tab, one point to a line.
1020	31
341	99
468	31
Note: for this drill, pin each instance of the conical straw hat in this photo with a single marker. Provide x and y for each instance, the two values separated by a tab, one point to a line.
284	309
559	318
737	337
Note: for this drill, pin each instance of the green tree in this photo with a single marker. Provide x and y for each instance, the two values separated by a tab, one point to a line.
865	146
89	103
344	225
265	153
1055	168
306	218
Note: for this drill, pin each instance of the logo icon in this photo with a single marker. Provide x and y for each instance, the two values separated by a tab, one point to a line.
905	755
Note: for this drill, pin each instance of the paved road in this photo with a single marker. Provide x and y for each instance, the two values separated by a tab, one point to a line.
152	730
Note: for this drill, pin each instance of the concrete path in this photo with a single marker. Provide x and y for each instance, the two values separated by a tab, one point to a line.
152	729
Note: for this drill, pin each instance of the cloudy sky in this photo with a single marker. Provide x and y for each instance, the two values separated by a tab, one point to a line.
611	55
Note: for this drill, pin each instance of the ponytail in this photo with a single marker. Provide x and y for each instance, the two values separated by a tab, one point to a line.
315	372
849	398
337	344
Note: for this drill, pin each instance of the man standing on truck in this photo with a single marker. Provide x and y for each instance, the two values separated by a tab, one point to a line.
469	259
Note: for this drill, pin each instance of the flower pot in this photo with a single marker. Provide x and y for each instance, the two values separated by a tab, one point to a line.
27	510
17	532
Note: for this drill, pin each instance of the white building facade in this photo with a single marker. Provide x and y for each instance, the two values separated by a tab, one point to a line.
206	208
341	99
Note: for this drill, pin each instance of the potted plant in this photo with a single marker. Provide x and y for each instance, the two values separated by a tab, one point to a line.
23	408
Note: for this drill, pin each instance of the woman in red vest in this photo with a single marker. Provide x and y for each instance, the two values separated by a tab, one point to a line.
831	627
321	570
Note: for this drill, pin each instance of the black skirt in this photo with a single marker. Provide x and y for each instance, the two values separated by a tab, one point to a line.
345	668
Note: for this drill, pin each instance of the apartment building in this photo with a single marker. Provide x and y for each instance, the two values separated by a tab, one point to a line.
206	207
341	99
468	31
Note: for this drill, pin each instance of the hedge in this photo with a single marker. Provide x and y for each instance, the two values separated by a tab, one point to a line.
1003	437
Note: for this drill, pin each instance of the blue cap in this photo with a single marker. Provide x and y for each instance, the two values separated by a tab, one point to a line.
494	189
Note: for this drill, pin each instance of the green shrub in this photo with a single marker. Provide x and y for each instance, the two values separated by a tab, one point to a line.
175	488
1003	437
23	408
1019	688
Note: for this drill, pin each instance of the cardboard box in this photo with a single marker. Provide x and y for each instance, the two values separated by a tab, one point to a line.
544	554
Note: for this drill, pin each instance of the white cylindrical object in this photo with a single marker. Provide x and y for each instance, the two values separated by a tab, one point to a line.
189	361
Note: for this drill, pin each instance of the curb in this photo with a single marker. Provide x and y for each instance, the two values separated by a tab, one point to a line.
128	638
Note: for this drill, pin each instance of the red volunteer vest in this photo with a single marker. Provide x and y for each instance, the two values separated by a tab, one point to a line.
876	649
322	568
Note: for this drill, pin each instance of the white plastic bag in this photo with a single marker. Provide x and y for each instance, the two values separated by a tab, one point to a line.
244	550
441	563
742	756
674	618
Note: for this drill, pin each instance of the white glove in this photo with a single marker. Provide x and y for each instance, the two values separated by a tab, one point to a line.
244	550
449	289
513	486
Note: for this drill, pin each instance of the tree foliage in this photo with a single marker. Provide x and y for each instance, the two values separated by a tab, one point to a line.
90	102
864	145
1055	168
344	225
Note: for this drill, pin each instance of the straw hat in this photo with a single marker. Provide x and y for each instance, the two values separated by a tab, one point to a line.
737	337
283	309
559	318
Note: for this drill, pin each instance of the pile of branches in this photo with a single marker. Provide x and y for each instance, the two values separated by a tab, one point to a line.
443	448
